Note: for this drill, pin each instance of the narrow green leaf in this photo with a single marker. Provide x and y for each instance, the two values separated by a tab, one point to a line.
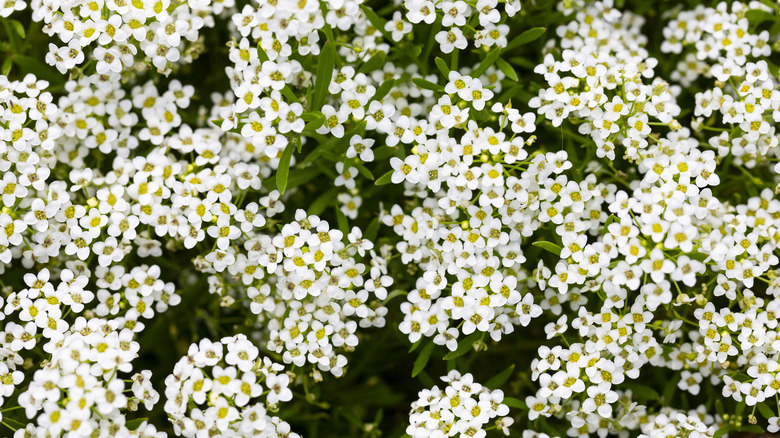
499	379
722	431
7	64
752	428
740	409
284	168
324	75
385	179
323	201
507	69
311	115
19	28
515	403
289	94
756	17
342	221
383	89
610	220
670	388
422	359
719	407
326	29
383	153
375	62
377	22
765	410
364	171
644	391
372	230
489	60
41	70
548	246
15	423
525	37
314	124
422	83
432	31
464	346
393	294
442	66
261	53
134	423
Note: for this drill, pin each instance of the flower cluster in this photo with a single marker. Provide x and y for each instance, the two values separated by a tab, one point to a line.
600	81
577	197
462	408
239	387
309	289
81	390
121	35
715	41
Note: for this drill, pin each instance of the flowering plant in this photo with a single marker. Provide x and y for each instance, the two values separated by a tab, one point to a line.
288	218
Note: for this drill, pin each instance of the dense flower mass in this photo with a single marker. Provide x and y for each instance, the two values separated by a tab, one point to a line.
232	218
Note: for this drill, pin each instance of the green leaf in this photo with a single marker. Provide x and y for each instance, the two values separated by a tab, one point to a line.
342	221
670	388
385	179
314	124
311	115
7	64
261	53
422	359
765	410
507	69
432	31
515	403
364	171
383	89
375	62
499	379
323	201
41	70
489	60
326	29
525	37
740	409
719	407
393	294
722	431
377	22
644	391
610	220
464	346
15	423
324	75
756	17
284	168
372	230
422	83
289	94
18	28
134	423
383	153
549	246
416	345
442	66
